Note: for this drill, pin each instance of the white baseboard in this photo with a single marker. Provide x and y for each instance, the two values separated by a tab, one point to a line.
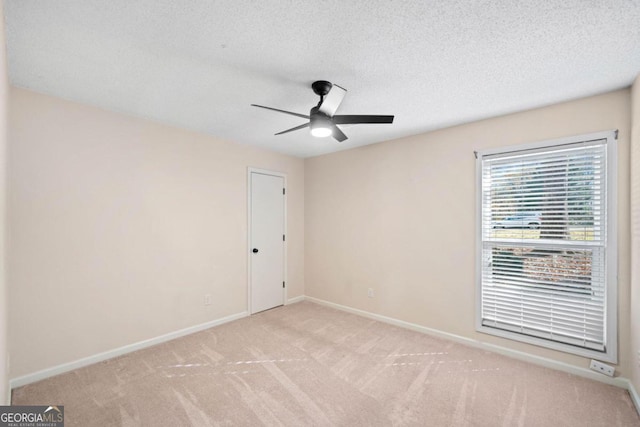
90	360
295	300
538	360
634	395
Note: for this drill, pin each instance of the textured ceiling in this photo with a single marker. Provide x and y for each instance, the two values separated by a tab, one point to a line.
199	64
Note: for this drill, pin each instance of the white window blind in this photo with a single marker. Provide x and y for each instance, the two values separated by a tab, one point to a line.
544	225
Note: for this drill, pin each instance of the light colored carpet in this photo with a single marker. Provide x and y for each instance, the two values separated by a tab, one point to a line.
308	365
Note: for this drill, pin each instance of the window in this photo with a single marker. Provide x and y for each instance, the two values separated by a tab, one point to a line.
547	244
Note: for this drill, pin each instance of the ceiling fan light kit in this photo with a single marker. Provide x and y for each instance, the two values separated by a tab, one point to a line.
322	117
320	130
320	124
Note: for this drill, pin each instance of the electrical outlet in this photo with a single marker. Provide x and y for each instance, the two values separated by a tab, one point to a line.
602	368
370	293
207	299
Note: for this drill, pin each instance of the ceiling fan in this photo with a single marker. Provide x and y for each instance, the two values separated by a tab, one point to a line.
322	117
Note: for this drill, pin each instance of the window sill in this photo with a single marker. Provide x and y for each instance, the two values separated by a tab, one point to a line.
609	356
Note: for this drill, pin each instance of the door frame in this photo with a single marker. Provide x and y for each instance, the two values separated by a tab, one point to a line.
251	170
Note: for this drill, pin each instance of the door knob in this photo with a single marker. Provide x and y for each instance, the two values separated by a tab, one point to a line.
255	250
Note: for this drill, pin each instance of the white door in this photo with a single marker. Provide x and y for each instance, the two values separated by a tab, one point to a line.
266	241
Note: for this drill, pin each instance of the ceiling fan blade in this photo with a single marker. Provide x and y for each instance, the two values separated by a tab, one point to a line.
281	111
351	119
332	100
292	129
338	135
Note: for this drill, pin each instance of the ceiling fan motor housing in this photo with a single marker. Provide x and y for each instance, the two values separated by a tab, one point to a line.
318	121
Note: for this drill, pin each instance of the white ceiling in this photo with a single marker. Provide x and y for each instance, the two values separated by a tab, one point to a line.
199	64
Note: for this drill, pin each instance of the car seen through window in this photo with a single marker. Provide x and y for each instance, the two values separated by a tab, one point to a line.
523	220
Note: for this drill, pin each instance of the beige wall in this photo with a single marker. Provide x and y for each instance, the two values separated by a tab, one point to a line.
635	234
119	227
4	350
399	217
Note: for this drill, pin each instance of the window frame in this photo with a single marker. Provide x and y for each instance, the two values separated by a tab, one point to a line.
611	247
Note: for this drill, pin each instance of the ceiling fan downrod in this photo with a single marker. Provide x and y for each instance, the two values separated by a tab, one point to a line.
321	88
